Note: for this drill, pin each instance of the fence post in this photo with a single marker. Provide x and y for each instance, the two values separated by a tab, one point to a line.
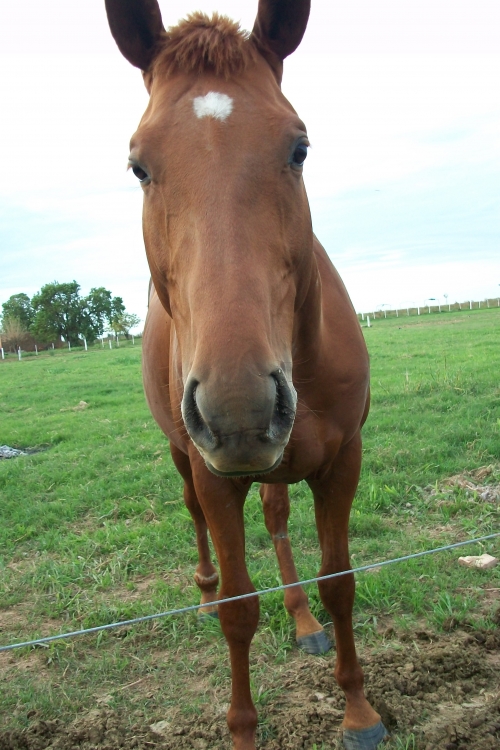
19	353
133	341
85	343
368	324
3	355
110	344
36	350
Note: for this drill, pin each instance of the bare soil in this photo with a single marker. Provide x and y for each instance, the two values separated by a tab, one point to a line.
444	690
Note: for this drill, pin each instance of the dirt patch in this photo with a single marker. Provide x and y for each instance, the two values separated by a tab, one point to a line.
472	482
445	691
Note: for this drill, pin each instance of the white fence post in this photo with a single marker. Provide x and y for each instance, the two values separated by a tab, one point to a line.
19	353
3	355
368	324
36	350
110	344
85	343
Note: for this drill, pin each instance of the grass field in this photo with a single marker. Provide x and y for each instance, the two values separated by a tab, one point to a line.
93	528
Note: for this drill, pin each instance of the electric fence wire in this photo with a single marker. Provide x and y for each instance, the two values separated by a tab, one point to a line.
262	592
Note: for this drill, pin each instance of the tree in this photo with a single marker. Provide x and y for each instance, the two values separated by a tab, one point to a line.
101	310
19	306
60	311
124	322
14	334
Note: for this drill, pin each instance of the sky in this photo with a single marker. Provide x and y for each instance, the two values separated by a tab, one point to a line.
402	105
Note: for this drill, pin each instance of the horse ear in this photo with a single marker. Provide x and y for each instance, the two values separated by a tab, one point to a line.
136	27
280	25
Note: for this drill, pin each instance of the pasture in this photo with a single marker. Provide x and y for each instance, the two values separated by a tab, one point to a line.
93	530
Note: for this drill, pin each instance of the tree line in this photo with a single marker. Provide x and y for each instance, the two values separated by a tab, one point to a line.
58	311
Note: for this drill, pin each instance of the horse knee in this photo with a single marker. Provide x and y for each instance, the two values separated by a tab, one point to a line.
239	620
337	595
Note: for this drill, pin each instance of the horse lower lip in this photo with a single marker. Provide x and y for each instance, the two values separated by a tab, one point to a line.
254	472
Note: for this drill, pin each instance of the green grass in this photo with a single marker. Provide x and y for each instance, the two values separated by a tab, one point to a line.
93	528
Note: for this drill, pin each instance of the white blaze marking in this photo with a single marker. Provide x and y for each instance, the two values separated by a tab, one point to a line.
213	104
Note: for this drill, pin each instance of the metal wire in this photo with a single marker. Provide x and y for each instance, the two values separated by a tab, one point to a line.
262	592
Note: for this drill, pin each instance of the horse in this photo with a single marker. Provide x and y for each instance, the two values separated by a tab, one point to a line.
254	363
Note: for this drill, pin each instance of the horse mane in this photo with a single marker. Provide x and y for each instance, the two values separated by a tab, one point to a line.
200	43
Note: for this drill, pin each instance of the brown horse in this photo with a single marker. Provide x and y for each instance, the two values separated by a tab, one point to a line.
254	363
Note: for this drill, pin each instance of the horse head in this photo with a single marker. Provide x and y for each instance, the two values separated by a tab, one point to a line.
219	154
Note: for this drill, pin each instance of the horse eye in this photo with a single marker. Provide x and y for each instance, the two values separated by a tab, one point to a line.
139	173
299	155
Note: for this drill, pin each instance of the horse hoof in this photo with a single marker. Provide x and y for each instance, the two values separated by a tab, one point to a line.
315	643
204	616
365	739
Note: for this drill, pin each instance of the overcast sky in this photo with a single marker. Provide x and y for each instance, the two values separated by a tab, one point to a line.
402	104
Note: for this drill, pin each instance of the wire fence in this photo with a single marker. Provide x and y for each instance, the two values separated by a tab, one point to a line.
262	592
432	305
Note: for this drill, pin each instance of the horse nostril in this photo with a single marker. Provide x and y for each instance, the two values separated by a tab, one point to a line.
191	412
284	406
195	424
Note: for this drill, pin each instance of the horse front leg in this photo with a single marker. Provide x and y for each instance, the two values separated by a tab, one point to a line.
206	576
309	633
333	496
222	501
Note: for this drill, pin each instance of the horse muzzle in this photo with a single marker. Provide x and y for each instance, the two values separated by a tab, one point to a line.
240	428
